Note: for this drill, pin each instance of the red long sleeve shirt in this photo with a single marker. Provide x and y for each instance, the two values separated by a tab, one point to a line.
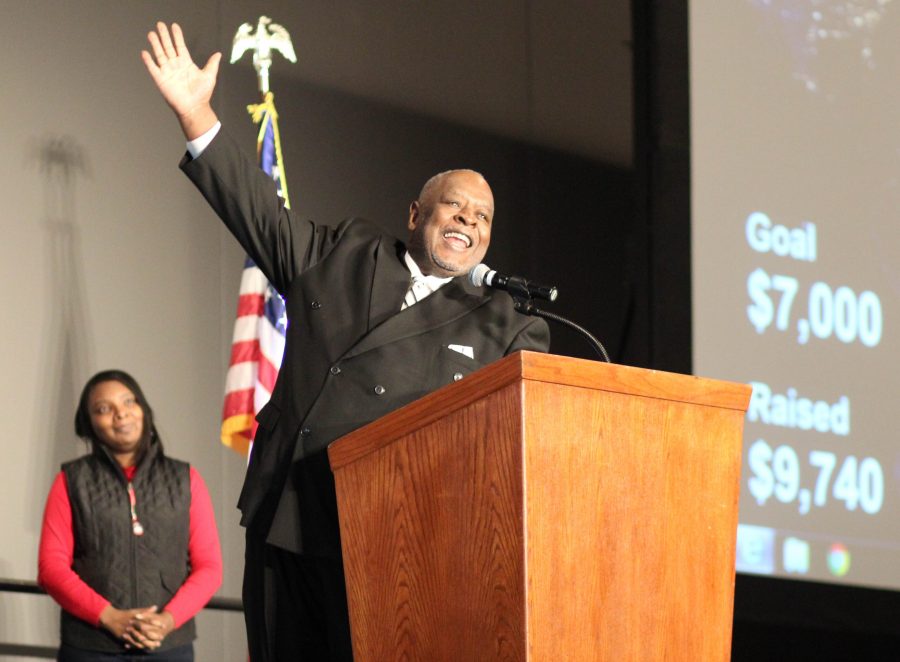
57	546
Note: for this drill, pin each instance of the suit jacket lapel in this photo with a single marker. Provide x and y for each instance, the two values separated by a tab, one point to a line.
390	281
450	302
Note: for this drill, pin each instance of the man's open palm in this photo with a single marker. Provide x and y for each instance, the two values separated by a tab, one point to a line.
185	87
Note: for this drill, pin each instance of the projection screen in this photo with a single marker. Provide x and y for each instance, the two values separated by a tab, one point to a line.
795	148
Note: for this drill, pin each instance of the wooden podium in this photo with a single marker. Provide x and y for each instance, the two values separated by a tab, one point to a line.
546	509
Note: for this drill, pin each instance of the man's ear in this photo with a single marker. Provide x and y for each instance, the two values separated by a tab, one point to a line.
414	210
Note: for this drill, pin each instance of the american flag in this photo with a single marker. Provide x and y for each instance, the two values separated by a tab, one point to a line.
257	343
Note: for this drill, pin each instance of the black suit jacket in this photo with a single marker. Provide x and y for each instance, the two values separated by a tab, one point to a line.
351	355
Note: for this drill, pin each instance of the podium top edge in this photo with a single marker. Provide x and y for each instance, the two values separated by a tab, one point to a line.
525	366
631	380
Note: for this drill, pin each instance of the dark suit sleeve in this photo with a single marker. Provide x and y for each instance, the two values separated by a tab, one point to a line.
245	198
535	337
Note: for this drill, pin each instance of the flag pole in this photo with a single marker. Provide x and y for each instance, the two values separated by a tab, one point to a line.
259	329
268	37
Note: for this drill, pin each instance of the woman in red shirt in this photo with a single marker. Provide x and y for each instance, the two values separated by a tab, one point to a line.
129	546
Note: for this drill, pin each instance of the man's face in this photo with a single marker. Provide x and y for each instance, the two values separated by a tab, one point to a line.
450	224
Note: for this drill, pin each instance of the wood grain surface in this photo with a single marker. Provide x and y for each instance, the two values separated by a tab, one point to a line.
545	508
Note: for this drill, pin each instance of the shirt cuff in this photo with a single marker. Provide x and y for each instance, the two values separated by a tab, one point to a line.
196	146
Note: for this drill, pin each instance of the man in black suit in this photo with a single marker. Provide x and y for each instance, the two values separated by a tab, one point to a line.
373	325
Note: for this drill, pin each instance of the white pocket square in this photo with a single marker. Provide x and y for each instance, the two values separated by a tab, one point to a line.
462	349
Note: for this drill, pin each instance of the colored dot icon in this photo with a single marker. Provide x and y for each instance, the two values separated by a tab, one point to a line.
838	559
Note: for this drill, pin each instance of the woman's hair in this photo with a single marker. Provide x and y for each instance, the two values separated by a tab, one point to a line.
85	429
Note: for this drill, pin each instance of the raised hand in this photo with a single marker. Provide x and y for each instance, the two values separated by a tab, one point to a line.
184	86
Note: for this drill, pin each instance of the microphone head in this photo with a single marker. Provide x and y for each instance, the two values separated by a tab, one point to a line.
477	274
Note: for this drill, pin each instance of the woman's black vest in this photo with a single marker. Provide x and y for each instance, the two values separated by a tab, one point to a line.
128	570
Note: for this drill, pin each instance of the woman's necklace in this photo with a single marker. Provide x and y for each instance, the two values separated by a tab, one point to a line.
136	527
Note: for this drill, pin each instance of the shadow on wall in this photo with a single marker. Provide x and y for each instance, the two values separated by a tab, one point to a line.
65	355
66	345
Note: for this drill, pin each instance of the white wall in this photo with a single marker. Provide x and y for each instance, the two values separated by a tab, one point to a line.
108	258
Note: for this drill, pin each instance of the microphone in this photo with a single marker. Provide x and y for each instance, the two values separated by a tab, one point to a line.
481	275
